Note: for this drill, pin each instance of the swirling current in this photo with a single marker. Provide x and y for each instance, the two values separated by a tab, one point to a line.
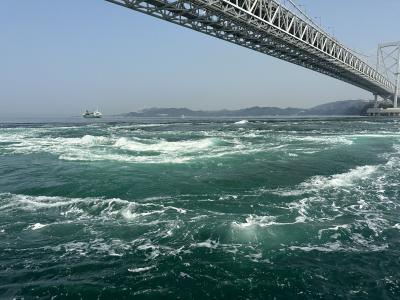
200	209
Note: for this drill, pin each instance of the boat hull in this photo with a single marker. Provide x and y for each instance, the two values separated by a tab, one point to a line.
91	117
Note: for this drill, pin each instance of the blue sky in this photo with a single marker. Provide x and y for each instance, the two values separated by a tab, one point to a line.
61	57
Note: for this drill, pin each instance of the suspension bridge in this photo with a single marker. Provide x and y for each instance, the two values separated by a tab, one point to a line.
275	29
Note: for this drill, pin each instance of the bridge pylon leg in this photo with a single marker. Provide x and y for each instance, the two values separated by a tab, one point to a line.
376	104
388	61
396	93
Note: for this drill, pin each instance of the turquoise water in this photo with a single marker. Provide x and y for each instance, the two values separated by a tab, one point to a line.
200	209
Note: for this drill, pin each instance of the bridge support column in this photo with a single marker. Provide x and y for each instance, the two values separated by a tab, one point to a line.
376	104
388	61
396	93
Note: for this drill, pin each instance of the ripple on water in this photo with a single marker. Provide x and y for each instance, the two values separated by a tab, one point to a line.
238	224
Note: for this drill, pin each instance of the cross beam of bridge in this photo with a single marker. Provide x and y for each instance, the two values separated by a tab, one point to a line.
268	27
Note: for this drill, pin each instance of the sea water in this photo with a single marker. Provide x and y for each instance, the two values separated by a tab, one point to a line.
303	208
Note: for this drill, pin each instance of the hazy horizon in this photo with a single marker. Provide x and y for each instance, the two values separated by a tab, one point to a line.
60	58
79	113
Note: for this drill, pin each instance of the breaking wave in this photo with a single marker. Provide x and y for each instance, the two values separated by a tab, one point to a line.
124	149
241	122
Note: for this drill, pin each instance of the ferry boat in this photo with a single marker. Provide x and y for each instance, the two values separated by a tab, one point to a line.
95	114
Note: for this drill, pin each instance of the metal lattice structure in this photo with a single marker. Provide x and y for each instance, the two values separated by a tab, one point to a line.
388	63
268	27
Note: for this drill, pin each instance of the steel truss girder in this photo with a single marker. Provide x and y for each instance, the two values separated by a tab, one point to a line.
267	27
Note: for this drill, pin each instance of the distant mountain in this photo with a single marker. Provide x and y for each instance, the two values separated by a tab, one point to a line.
251	111
337	108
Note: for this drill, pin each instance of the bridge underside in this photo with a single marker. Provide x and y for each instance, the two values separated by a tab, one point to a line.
269	29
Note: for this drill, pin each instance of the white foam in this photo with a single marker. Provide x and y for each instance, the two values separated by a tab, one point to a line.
316	184
185	275
127	212
37	226
91	140
113	247
321	139
125	158
286	193
151	251
242	122
148	150
130	213
165	146
337	246
26	202
341	180
179	210
255	257
302	206
143	213
328	247
139	270
142	148
374	222
210	244
265	221
335	229
253	220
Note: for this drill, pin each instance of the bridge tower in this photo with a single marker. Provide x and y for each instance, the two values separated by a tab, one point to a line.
388	63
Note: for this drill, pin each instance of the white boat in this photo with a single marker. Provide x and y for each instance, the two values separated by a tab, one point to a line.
95	114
